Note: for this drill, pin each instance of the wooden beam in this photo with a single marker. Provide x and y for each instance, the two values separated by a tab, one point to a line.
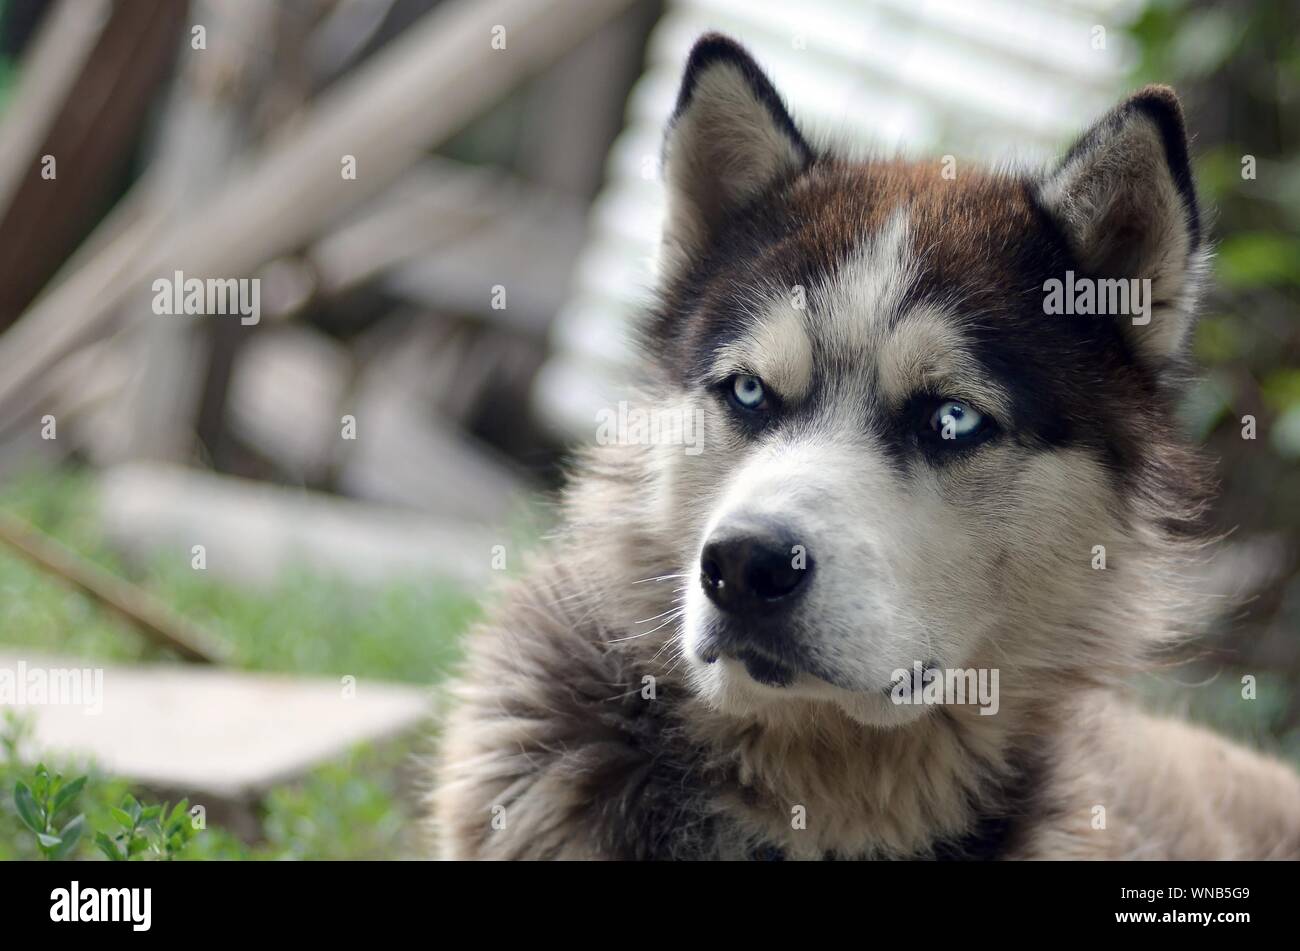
416	93
82	98
136	606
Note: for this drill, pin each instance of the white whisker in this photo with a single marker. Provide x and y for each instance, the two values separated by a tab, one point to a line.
631	637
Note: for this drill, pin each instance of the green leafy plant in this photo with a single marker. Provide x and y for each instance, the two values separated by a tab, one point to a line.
155	830
41	807
45	802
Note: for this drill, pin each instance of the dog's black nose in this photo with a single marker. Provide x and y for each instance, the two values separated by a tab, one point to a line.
753	568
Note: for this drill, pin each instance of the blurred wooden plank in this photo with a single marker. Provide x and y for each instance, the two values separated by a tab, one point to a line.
431	208
208	733
459	374
60	51
404	459
286	398
82	98
253	533
293	386
522	255
174	404
446	234
563	148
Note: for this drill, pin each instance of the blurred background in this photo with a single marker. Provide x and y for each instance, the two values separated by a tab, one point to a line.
452	209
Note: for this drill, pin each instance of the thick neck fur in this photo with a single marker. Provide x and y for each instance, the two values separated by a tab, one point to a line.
818	785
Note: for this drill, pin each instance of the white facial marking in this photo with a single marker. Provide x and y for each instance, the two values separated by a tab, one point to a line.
868	290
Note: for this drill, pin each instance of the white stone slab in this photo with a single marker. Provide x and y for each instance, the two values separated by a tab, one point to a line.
203	731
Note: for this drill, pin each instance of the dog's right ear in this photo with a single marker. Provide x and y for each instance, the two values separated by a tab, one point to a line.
729	139
1125	199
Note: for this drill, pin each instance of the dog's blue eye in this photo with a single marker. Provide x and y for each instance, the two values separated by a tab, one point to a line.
748	391
953	419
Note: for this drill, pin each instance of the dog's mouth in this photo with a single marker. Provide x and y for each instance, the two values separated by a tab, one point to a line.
770	673
762	666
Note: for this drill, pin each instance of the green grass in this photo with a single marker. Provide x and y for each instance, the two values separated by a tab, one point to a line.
307	625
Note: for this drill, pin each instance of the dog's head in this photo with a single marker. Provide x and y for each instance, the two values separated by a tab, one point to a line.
908	457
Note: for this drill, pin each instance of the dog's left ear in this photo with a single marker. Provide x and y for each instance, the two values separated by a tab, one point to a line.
730	139
1125	199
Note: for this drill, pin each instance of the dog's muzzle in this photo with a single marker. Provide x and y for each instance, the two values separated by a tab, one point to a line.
755	571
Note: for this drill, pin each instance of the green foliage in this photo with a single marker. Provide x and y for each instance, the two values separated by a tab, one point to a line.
45	808
1258	258
160	831
1186	40
1237	69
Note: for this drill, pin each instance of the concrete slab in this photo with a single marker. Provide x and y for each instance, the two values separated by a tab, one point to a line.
202	731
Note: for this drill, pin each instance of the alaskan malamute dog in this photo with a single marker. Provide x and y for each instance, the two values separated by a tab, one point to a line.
937	449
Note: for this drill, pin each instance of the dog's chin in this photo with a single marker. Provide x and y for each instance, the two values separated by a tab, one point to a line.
748	685
727	686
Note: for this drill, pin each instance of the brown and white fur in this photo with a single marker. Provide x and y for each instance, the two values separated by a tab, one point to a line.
610	708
